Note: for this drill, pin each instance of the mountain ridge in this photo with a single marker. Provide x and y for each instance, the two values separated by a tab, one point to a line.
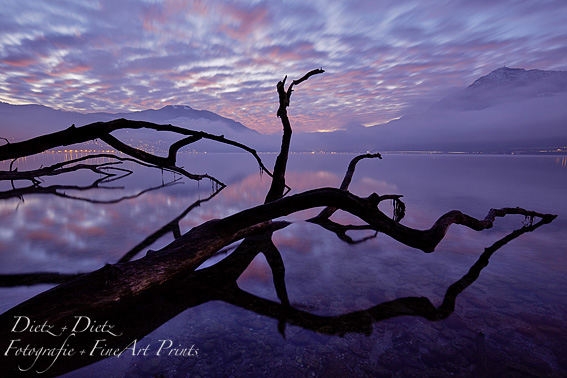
505	85
507	75
507	108
30	120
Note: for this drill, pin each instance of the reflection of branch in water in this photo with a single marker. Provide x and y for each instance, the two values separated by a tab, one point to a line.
135	317
172	227
448	305
60	190
361	321
57	189
236	263
64	167
27	279
108	170
340	230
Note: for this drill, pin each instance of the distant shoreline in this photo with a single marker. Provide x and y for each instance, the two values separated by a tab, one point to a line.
555	151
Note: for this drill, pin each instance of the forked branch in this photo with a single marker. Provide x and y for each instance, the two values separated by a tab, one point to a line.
102	130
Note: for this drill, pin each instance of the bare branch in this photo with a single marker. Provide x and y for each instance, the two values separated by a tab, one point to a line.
172	226
278	185
101	130
137	317
328	211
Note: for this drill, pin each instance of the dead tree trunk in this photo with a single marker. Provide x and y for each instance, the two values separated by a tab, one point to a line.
132	318
278	181
109	288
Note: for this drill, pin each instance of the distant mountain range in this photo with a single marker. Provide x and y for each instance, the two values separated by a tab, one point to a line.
21	122
25	121
510	108
506	85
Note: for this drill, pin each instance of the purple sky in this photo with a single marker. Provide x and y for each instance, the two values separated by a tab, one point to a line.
382	58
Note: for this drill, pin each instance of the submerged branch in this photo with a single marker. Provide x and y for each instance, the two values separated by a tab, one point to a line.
135	317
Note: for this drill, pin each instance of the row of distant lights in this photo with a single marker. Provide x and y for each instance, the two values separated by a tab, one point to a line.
77	151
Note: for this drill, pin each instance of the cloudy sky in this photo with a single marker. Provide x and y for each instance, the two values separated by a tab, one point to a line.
382	58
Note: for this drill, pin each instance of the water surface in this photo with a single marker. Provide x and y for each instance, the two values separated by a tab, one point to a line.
511	321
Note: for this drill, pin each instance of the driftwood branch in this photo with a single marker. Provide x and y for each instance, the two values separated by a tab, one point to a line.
278	179
123	291
328	211
172	226
135	317
102	130
185	254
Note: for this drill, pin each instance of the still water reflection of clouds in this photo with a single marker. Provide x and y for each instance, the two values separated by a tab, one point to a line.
519	296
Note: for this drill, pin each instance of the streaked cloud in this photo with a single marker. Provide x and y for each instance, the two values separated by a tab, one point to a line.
382	59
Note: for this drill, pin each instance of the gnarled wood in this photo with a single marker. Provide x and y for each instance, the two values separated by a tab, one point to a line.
115	290
328	211
278	180
102	130
135	317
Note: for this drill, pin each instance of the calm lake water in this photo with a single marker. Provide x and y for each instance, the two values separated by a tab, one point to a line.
349	317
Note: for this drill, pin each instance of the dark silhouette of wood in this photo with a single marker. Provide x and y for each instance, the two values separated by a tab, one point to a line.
62	190
114	291
172	226
135	317
185	254
278	180
102	130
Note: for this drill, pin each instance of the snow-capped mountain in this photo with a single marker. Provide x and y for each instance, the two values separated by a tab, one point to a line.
505	76
509	108
506	109
506	85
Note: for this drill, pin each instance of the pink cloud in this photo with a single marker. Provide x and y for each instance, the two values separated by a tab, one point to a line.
242	22
21	62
